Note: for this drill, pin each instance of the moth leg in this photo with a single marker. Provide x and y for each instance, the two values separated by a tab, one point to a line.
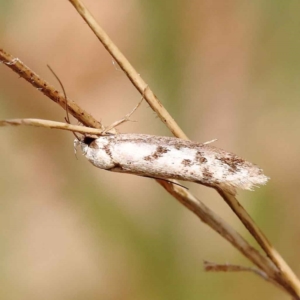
76	145
166	180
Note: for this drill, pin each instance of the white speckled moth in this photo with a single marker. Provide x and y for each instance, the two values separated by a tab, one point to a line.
159	157
171	158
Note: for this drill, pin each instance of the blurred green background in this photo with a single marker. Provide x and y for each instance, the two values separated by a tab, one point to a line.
224	69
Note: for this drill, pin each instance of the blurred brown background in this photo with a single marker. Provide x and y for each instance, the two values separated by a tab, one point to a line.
224	69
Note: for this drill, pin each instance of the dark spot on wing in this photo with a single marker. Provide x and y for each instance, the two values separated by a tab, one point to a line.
148	158
207	175
232	161
177	146
159	152
187	162
200	158
107	150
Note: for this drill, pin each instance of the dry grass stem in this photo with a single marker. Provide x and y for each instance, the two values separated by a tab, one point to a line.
287	275
286	272
131	73
219	225
51	125
213	267
182	195
48	90
273	266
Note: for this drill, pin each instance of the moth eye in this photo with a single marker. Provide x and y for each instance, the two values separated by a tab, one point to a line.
88	140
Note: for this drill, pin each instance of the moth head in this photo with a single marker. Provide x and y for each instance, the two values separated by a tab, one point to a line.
87	139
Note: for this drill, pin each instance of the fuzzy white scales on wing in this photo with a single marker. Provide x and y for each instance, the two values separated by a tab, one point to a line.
171	158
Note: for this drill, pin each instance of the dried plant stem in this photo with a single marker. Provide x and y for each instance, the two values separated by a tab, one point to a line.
218	224
181	194
51	124
213	267
131	73
285	271
48	90
215	222
275	269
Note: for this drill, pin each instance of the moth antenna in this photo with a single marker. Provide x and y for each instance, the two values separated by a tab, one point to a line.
67	118
127	117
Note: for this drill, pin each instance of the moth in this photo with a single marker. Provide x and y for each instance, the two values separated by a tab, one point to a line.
171	158
159	157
